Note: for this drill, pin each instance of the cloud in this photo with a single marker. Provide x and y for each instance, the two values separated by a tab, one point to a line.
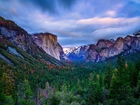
51	6
75	22
107	21
91	33
111	13
114	32
67	3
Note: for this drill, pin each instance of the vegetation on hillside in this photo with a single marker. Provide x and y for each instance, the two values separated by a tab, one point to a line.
33	81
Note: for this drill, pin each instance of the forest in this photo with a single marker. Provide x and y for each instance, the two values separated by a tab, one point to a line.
103	83
69	52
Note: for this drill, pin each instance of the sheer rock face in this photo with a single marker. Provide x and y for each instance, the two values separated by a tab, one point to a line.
105	48
104	43
48	42
92	53
31	44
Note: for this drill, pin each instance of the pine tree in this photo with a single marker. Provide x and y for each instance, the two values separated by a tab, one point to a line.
136	73
25	94
117	76
120	90
95	89
108	77
64	97
2	96
137	95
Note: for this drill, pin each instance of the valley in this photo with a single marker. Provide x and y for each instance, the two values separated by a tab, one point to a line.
34	70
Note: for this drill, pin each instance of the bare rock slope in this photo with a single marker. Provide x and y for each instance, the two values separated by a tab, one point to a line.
48	42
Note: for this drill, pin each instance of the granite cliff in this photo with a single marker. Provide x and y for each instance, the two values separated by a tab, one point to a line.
104	49
48	42
108	48
43	44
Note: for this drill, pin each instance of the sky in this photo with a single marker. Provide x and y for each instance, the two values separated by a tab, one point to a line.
75	22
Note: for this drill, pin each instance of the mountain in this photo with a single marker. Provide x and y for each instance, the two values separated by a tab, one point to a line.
104	49
48	42
68	50
77	53
11	33
46	46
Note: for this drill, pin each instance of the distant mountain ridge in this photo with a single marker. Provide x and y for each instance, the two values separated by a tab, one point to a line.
77	53
46	44
31	43
104	49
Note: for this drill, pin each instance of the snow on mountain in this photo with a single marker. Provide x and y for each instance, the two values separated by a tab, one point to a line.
67	50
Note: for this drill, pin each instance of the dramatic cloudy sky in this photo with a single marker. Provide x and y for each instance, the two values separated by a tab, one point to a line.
75	22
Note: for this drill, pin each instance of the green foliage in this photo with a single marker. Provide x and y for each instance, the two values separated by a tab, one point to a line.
64	98
2	96
33	81
108	77
95	89
25	94
123	84
9	100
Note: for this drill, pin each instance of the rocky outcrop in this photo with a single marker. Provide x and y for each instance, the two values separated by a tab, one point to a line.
40	45
48	42
106	48
12	32
6	60
14	52
104	43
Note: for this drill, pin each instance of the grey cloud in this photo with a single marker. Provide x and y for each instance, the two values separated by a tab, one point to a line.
62	17
112	33
51	6
89	33
67	3
75	41
44	5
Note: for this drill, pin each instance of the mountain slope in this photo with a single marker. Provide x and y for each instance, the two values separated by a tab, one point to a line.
77	54
105	49
48	42
13	35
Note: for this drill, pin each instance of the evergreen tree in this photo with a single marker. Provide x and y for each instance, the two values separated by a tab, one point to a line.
108	77
2	96
9	100
120	90
136	73
64	97
25	94
95	89
117	78
137	94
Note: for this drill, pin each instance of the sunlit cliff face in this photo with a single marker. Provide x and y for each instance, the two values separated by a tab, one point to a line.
49	44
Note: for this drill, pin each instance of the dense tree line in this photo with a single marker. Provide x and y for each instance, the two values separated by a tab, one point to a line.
93	84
